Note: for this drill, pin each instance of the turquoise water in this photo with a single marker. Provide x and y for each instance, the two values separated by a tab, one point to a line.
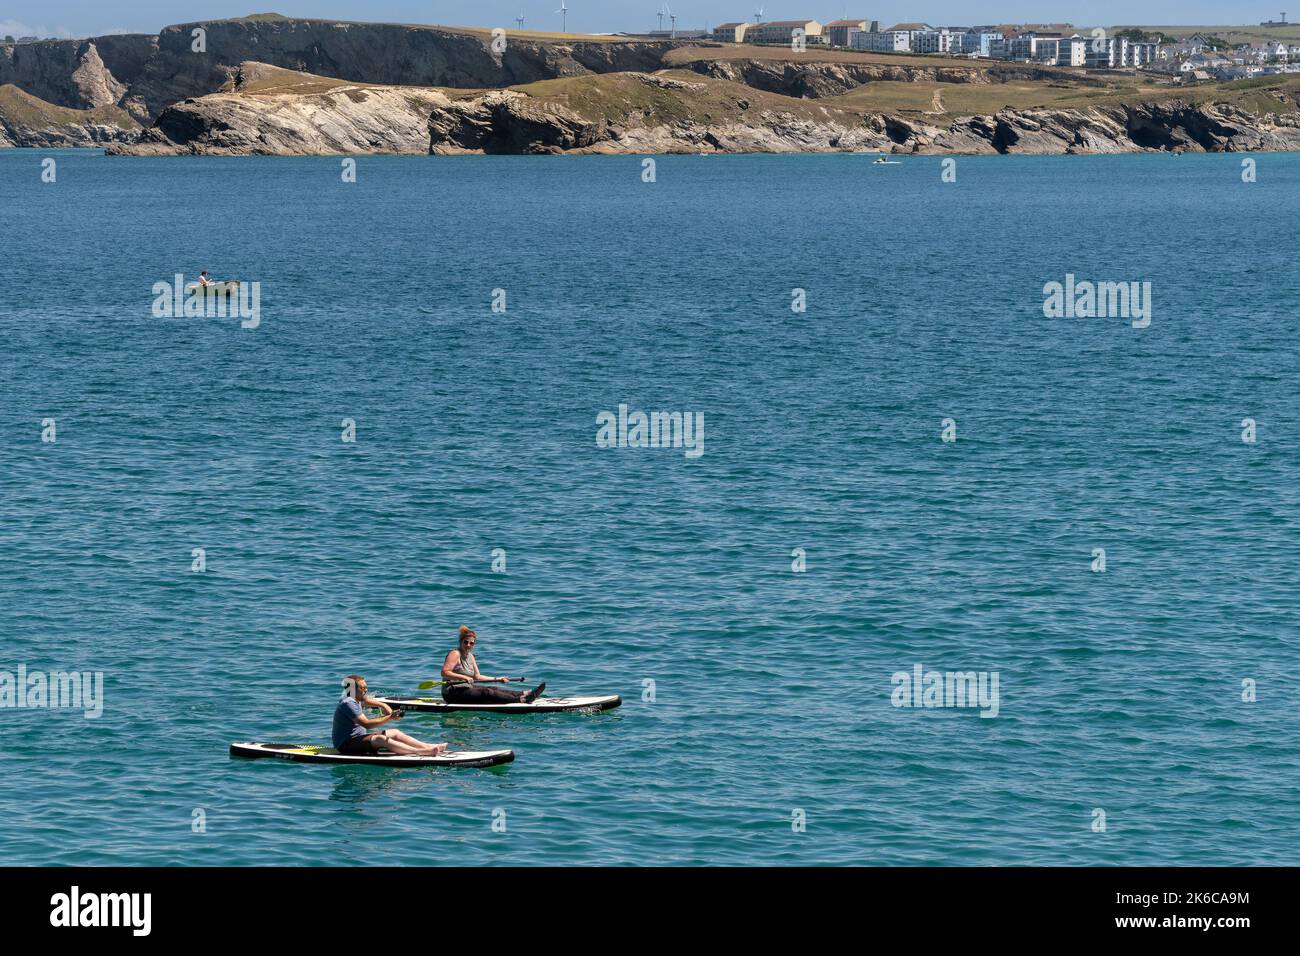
1119	691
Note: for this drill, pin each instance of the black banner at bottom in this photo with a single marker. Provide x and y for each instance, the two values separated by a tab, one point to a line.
299	905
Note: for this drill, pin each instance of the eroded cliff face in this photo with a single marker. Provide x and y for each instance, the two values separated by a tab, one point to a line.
76	74
146	74
276	112
511	123
28	121
55	135
273	111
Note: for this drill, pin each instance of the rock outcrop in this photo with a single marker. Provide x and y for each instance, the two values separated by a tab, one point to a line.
270	111
509	122
27	121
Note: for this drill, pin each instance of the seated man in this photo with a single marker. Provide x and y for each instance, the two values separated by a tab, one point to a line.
351	725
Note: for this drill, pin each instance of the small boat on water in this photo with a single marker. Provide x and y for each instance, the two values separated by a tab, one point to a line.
228	287
886	162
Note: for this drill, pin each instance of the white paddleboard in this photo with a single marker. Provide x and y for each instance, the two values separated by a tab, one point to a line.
305	754
543	705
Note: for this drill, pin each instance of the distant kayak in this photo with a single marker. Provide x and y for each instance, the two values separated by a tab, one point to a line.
886	162
543	705
304	754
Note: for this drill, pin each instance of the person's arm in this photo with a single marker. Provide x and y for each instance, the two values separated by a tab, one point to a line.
485	679
386	714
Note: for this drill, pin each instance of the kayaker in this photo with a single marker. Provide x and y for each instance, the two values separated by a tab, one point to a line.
460	673
351	725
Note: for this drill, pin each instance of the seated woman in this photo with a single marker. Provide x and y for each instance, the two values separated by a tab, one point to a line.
460	672
351	724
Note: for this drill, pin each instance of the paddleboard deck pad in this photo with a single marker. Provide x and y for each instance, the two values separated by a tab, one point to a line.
543	705
462	758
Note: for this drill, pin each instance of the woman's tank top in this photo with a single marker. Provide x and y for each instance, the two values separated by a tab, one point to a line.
462	667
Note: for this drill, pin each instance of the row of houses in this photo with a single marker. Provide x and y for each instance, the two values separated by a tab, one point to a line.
863	35
1200	45
1200	58
1034	43
1023	45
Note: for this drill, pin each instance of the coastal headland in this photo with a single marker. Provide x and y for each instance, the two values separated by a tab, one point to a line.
271	85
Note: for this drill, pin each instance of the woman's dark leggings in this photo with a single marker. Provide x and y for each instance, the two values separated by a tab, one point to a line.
480	694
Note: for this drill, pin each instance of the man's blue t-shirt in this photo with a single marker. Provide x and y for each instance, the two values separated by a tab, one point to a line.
345	722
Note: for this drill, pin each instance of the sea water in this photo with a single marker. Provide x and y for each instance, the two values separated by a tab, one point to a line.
911	467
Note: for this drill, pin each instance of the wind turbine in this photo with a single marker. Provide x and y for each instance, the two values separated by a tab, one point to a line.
661	18
758	14
673	17
564	16
520	19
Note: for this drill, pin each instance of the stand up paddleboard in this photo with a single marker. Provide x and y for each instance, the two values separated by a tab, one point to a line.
543	705
463	758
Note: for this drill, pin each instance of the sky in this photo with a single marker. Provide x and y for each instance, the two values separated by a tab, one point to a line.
93	17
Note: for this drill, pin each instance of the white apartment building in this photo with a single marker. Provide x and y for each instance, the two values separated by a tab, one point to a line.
1073	51
979	42
1031	48
888	41
937	41
1109	53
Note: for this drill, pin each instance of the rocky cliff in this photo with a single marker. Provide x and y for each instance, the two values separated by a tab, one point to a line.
145	74
511	122
272	111
28	121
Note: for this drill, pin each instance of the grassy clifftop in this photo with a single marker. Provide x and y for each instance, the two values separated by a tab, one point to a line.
18	107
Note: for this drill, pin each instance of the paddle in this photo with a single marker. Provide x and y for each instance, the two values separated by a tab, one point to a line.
431	684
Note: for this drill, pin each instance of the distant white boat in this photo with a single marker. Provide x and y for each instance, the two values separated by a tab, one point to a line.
886	162
213	288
